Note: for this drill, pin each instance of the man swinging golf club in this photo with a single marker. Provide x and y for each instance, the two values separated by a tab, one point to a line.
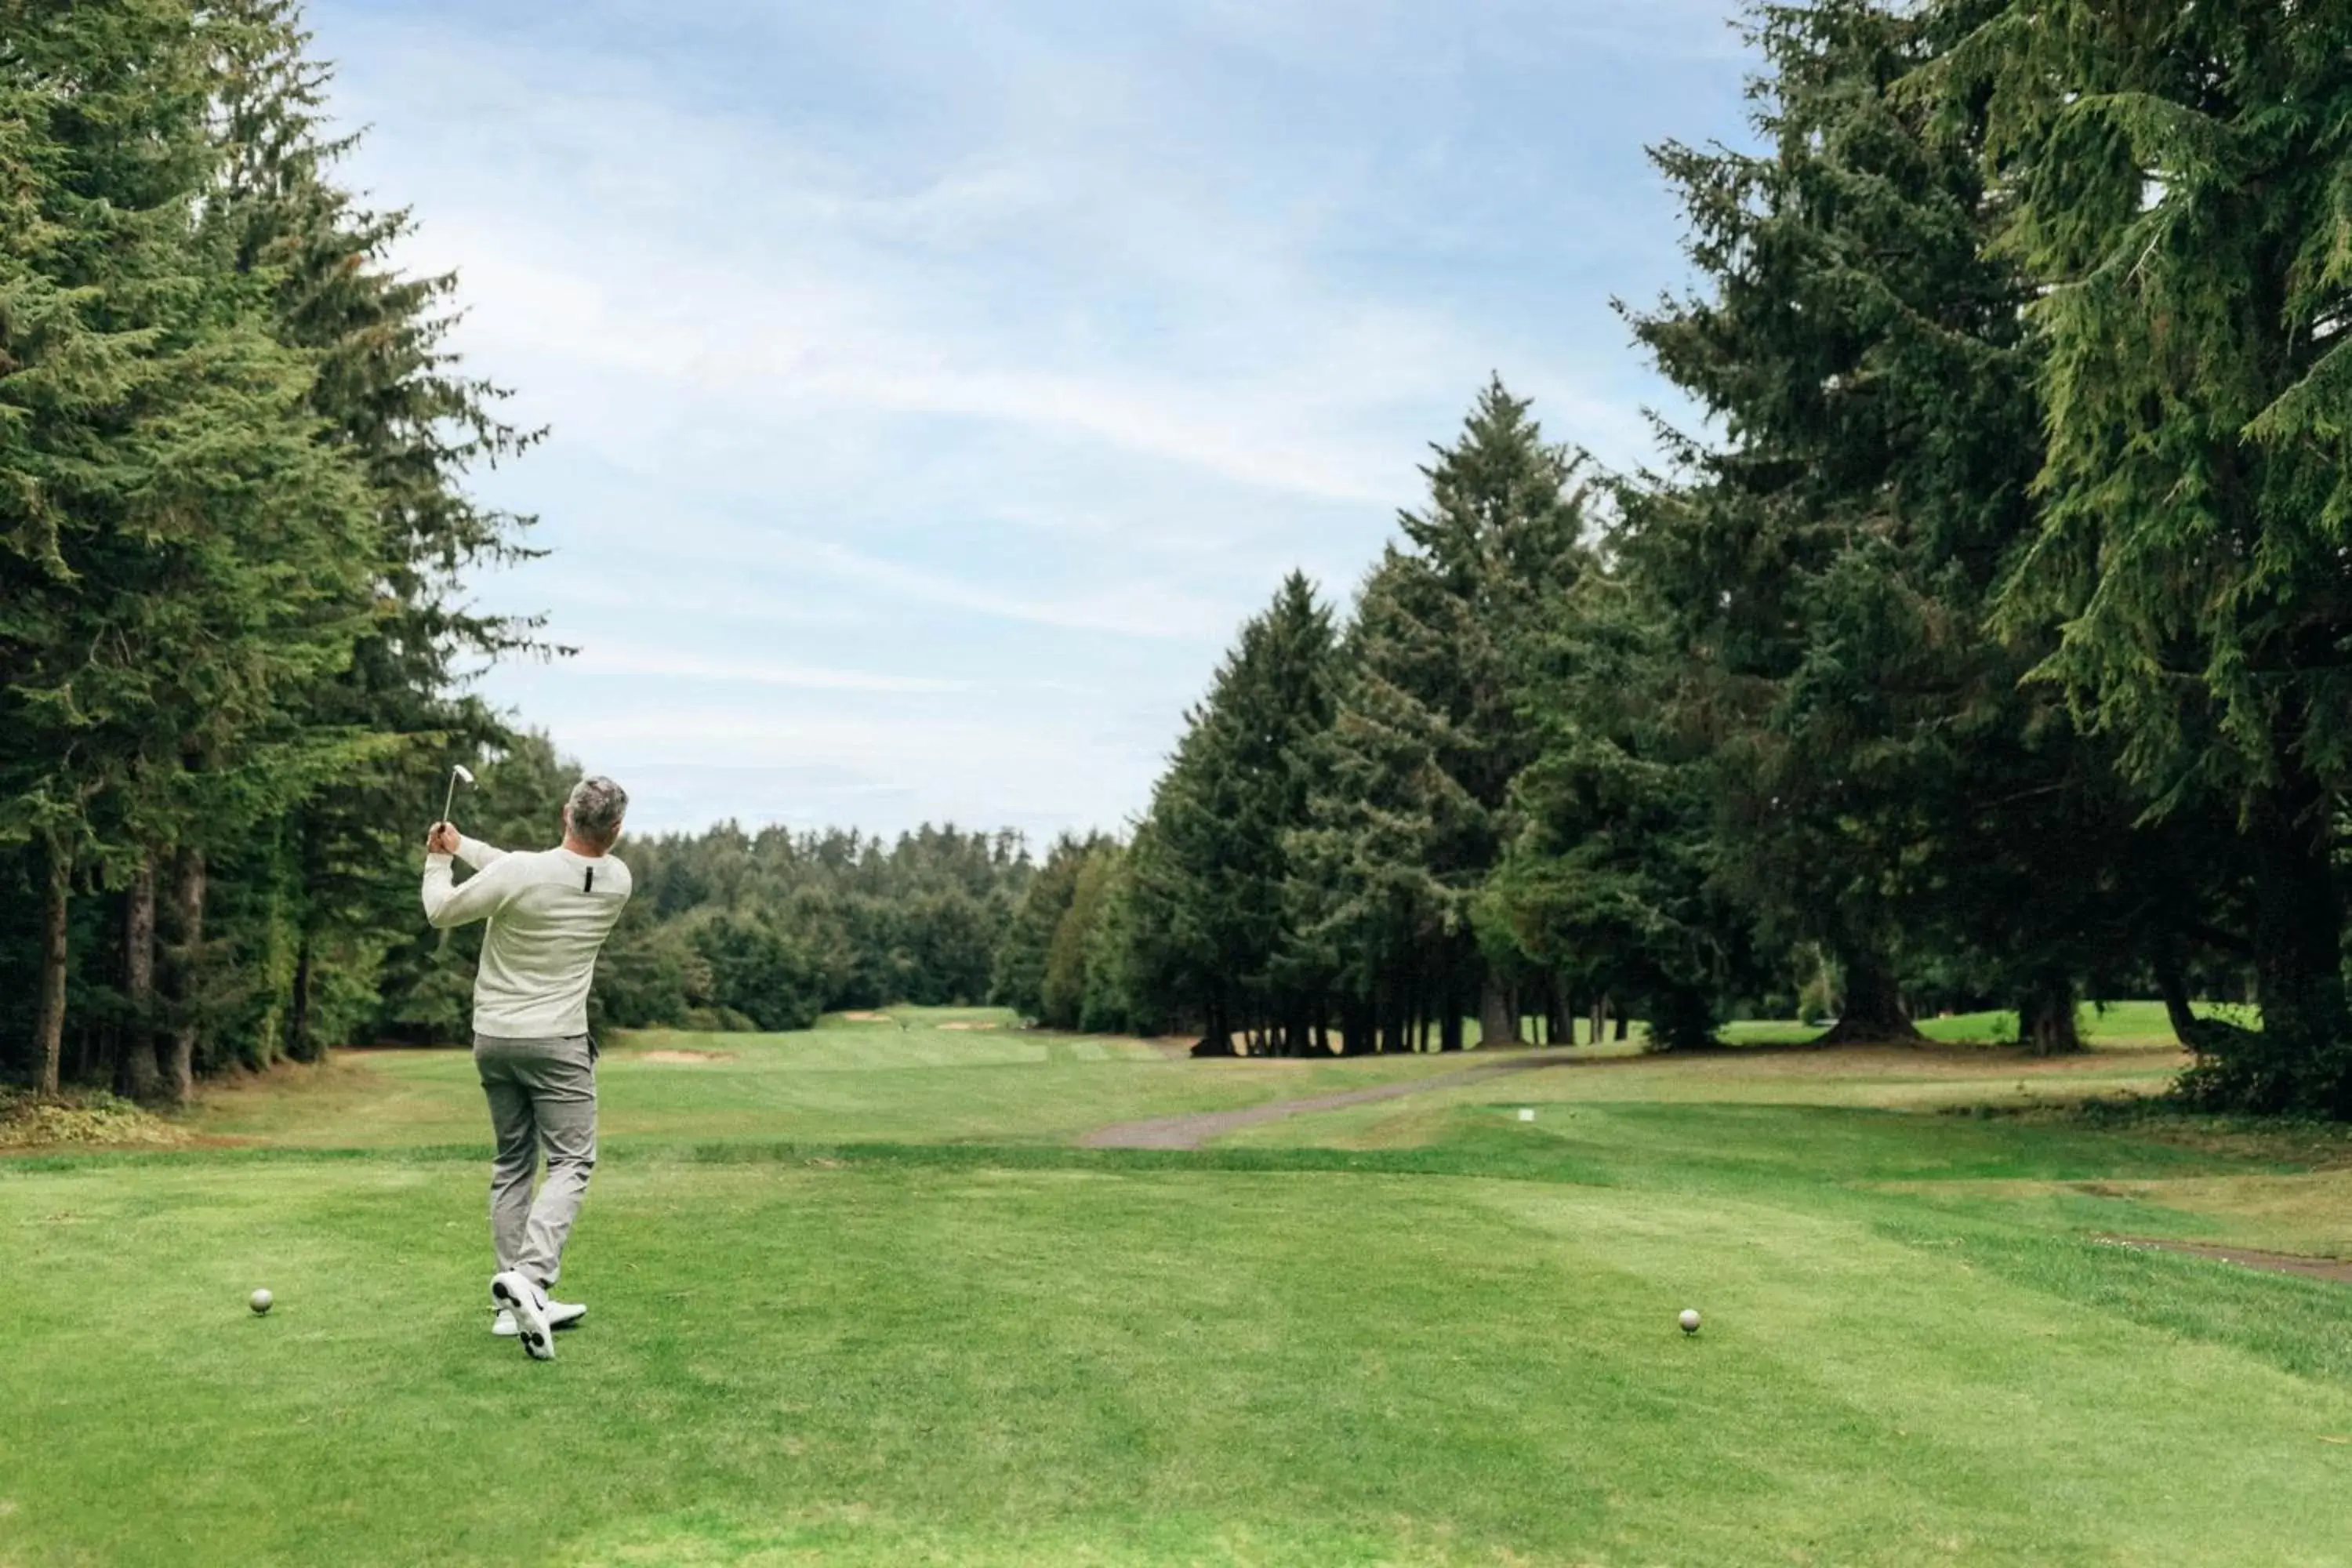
549	913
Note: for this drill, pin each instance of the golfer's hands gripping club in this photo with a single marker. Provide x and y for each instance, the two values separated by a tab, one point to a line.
443	839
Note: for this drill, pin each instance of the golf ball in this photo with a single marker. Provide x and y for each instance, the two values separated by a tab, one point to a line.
260	1300
1526	1114
1689	1320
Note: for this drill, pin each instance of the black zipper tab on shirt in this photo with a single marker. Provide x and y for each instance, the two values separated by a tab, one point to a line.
590	885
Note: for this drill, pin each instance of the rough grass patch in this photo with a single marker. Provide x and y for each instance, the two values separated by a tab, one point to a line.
2161	1119
92	1120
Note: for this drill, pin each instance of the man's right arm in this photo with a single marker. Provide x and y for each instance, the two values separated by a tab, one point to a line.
479	855
447	904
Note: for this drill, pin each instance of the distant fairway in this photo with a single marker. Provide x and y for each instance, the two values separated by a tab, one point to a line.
2112	1024
856	1298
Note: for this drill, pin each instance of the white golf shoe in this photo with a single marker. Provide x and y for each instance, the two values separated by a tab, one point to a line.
560	1315
522	1297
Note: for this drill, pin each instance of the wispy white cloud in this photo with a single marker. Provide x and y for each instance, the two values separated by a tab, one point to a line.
920	356
1121	295
651	593
1130	609
605	658
778	344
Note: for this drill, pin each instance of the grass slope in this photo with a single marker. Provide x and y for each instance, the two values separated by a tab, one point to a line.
855	1298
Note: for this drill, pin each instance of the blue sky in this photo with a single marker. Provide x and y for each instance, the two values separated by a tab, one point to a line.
934	386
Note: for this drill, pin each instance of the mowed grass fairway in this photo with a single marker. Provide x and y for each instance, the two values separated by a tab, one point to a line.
857	1297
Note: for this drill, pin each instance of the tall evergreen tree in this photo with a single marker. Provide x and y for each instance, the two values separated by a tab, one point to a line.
1610	880
1110	1001
187	550
1018	978
1063	988
1206	899
397	401
1359	900
1884	788
2177	181
1414	804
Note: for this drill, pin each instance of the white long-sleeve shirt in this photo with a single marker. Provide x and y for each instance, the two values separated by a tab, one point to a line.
549	912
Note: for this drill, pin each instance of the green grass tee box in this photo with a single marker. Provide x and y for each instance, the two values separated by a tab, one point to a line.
857	1296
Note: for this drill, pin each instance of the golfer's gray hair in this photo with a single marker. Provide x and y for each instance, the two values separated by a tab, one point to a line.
595	809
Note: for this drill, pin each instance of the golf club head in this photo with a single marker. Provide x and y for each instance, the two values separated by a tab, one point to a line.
457	771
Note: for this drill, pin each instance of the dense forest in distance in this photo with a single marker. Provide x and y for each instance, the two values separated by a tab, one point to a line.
731	930
1984	648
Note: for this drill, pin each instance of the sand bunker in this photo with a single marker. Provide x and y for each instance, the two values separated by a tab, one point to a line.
967	1025
868	1018
683	1057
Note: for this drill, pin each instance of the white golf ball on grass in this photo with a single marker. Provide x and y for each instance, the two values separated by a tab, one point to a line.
1689	1320
260	1301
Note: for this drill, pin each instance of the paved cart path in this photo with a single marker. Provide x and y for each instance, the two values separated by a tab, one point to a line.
1192	1130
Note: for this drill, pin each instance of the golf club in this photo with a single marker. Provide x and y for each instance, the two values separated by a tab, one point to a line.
457	771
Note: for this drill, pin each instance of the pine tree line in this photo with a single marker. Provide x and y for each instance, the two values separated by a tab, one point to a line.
231	533
1985	648
1984	645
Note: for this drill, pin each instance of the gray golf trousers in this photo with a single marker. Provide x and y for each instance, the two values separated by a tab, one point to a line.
543	1093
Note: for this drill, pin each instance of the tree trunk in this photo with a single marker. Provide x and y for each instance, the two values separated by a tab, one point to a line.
2173	986
2046	1022
1449	1027
1499	1010
2298	965
1560	1022
1872	1010
1599	1022
135	1074
299	1043
2299	1058
1624	1024
2206	1037
188	906
49	1034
